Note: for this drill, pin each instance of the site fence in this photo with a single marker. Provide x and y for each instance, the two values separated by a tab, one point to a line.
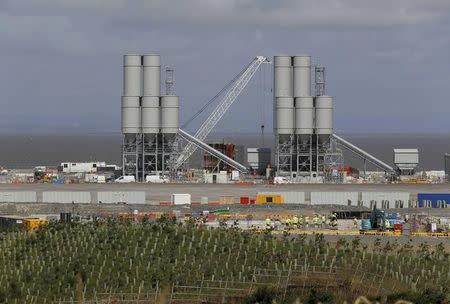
299	279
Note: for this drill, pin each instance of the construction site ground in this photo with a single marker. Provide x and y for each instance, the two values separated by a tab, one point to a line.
156	193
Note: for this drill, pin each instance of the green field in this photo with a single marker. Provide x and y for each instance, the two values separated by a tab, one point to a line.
165	262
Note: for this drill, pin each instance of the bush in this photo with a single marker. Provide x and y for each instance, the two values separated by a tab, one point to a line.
320	296
263	295
428	296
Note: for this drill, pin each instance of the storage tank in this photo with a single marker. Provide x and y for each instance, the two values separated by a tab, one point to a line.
304	117
151	75
282	82
169	114
150	115
324	117
283	76
302	76
285	115
132	75
131	115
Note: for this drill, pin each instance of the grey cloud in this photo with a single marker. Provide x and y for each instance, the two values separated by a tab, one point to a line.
264	12
61	60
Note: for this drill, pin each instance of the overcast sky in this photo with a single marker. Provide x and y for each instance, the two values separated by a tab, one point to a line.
387	60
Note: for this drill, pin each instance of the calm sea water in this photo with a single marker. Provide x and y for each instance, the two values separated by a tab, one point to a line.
27	151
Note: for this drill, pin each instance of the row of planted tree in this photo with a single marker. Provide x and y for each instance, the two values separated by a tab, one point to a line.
63	261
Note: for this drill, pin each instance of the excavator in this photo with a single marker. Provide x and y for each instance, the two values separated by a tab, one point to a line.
377	220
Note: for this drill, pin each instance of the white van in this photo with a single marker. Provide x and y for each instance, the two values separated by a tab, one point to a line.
156	179
125	179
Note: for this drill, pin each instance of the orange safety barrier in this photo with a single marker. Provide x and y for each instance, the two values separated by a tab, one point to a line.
214	203
195	203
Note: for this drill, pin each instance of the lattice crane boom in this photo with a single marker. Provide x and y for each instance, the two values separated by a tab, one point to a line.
221	108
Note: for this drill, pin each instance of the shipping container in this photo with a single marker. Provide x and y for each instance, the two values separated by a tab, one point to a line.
269	198
66	197
334	198
18	197
115	197
433	200
244	200
385	200
181	199
289	197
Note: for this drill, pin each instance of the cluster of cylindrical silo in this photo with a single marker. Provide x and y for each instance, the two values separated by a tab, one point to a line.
296	111
144	110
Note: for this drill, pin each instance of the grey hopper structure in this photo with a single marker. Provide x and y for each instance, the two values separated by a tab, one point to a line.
324	117
169	114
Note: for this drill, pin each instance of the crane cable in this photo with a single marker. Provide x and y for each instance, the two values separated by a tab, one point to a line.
260	101
209	102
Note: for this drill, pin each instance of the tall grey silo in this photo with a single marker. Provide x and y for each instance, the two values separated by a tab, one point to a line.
283	113
324	118
169	128
304	114
131	113
151	113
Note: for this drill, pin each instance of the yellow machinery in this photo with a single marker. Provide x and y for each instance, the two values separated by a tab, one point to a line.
33	224
269	198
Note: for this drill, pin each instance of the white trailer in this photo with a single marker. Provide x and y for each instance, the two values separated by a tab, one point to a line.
85	167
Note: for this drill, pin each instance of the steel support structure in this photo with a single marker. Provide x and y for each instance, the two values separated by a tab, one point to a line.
319	80
150	160
169	152
284	154
333	164
131	155
322	147
304	154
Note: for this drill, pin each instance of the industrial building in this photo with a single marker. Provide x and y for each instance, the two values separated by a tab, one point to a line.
149	119
258	160
306	148
303	124
406	161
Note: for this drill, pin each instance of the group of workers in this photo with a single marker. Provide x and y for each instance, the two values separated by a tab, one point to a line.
299	222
